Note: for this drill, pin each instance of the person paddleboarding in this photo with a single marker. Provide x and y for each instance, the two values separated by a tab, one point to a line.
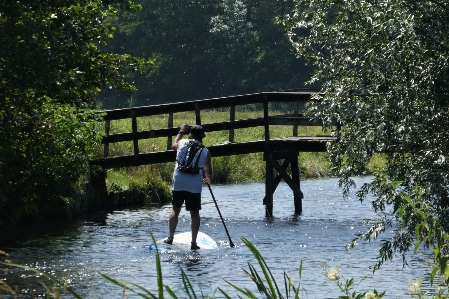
193	166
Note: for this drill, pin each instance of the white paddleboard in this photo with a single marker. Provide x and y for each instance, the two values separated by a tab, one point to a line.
182	241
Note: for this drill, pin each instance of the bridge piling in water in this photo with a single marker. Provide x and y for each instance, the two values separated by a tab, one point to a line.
286	149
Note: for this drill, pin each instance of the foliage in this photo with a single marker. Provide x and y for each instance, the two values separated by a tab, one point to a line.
383	66
52	65
228	48
347	286
147	179
46	161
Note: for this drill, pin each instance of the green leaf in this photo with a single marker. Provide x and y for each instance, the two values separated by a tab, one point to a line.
432	274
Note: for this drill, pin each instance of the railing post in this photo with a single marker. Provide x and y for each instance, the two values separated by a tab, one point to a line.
107	127
232	119
135	137
296	113
197	113
266	125
170	125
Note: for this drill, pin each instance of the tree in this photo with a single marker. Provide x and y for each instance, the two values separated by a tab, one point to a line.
383	66
205	49
173	34
52	65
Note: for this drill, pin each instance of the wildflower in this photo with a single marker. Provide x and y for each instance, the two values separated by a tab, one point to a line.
415	287
332	274
370	295
439	290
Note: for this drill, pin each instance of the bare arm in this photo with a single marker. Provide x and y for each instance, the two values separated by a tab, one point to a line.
208	169
182	130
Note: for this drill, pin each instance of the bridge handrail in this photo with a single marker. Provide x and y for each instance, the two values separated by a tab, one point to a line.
293	96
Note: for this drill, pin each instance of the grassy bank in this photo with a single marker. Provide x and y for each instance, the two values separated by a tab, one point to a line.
155	179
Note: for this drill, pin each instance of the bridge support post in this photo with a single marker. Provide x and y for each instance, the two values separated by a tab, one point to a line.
271	182
270	187
297	196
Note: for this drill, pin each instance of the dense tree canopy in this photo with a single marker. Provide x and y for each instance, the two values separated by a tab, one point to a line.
204	49
52	65
384	70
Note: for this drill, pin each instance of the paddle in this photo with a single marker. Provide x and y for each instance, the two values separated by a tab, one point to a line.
213	197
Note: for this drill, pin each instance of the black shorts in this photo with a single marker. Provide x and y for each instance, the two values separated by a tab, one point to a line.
193	200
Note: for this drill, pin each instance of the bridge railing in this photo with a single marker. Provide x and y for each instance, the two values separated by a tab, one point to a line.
294	119
286	148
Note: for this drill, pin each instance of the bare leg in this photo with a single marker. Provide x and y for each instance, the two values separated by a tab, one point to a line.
173	220
195	225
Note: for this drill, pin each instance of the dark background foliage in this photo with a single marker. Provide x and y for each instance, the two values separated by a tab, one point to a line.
205	49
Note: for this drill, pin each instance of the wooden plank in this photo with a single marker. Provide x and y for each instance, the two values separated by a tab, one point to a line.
278	177
301	144
107	127
197	113
287	179
248	123
293	121
135	137
266	126
140	135
301	96
238	124
296	113
170	125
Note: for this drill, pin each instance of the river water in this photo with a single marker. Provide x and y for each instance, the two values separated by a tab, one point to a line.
117	245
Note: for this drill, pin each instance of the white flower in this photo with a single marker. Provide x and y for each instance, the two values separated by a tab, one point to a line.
415	287
332	274
370	295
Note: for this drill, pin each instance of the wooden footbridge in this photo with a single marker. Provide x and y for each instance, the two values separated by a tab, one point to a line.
286	149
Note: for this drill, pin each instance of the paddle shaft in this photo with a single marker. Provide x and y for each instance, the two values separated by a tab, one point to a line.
219	213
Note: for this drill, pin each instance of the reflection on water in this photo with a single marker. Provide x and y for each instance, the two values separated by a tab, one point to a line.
118	246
